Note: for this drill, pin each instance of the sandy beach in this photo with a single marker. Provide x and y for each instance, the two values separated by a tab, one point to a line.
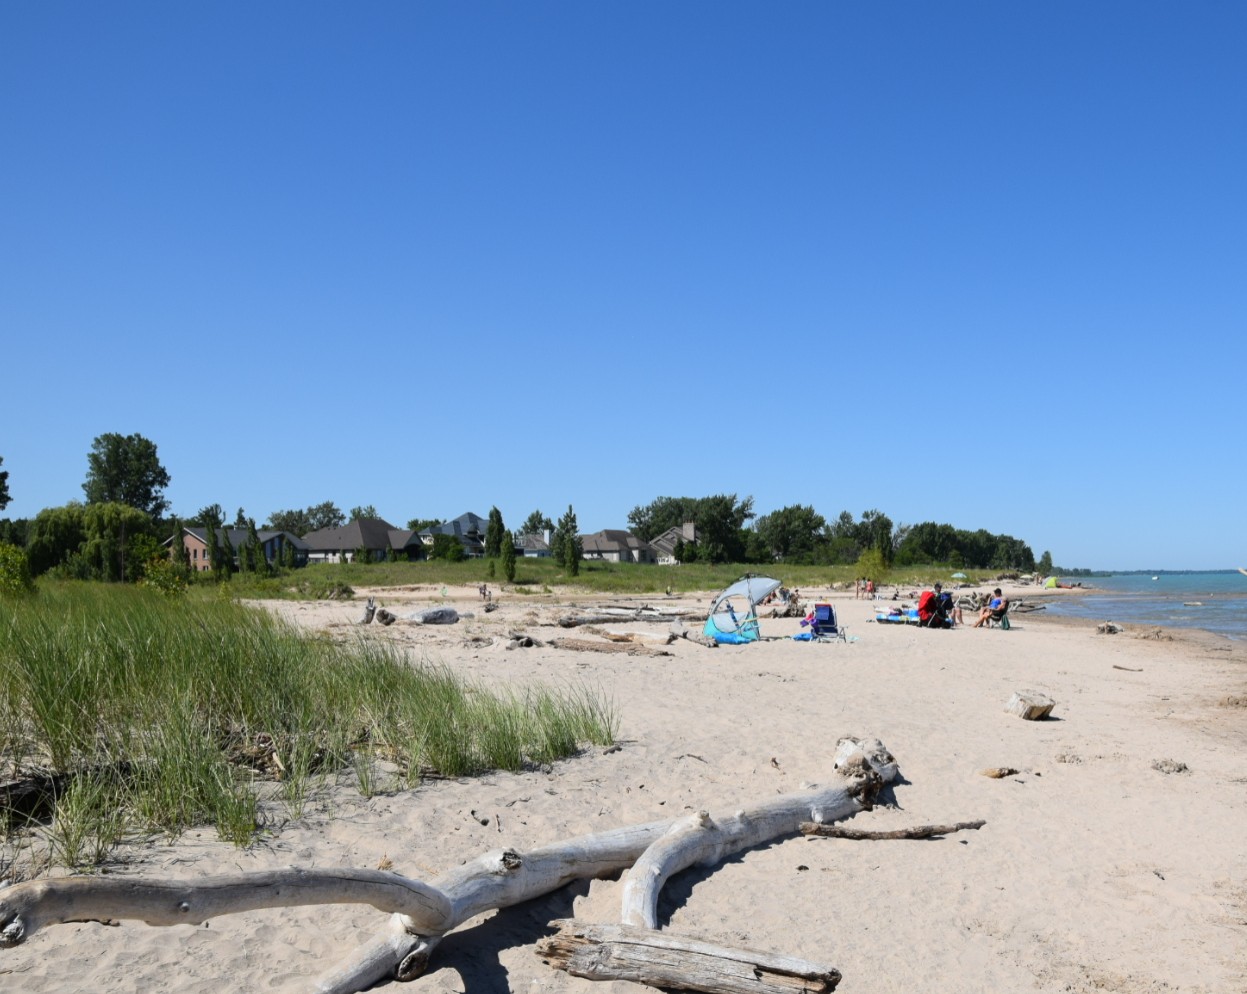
1114	859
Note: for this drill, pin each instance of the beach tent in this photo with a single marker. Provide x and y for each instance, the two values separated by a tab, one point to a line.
959	576
734	613
1051	584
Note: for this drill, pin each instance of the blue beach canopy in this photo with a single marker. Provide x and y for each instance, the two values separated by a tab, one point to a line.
734	615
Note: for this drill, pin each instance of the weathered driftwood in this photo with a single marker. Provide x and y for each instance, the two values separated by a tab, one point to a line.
625	648
370	609
27	907
643	956
424	912
679	631
614	615
1029	705
862	834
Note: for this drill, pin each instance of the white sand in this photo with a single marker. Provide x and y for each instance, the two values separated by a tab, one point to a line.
1094	872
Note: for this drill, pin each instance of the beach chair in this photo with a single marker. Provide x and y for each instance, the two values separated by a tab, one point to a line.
824	627
1003	620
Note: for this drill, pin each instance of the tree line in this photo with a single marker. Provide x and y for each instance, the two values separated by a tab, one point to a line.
122	525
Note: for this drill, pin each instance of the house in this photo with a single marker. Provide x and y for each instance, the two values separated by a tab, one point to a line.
617	546
664	544
533	546
468	528
378	537
195	541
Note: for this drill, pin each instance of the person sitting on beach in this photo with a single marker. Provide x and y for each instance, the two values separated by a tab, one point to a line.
995	609
931	612
951	611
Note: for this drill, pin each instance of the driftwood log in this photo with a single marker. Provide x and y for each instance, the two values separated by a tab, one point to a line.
678	631
422	912
585	949
614	615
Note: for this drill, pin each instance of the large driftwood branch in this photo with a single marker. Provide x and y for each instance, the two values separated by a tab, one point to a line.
25	908
644	956
426	911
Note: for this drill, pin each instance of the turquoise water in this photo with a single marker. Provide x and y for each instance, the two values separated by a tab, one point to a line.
1214	601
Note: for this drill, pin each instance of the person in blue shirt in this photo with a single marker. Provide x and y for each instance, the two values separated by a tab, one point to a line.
995	609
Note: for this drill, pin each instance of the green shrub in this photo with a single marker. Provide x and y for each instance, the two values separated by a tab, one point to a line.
165	576
15	578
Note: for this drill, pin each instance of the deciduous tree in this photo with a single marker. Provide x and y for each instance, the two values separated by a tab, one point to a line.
447	547
54	535
124	469
792	533
719	519
365	513
325	515
294	522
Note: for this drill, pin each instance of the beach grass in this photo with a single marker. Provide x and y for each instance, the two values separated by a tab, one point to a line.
159	714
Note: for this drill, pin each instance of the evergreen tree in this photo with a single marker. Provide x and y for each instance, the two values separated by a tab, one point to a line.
179	555
259	562
227	556
4	486
214	552
569	548
508	559
494	533
535	524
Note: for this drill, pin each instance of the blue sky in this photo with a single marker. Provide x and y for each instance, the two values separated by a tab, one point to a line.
976	263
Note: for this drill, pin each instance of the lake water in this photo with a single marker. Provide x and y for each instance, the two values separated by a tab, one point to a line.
1214	601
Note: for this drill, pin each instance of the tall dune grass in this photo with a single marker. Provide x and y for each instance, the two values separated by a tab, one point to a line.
173	713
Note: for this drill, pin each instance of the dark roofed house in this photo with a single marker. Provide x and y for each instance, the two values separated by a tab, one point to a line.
274	542
377	536
617	546
468	528
664	544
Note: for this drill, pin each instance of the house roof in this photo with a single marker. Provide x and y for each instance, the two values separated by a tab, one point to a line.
664	544
468	528
532	542
400	538
611	540
363	533
238	536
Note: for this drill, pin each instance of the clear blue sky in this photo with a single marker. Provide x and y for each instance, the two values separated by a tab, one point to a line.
976	263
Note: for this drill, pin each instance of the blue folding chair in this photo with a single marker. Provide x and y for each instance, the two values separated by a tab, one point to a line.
824	627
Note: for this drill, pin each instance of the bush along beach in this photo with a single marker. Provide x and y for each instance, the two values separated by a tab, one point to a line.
125	712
